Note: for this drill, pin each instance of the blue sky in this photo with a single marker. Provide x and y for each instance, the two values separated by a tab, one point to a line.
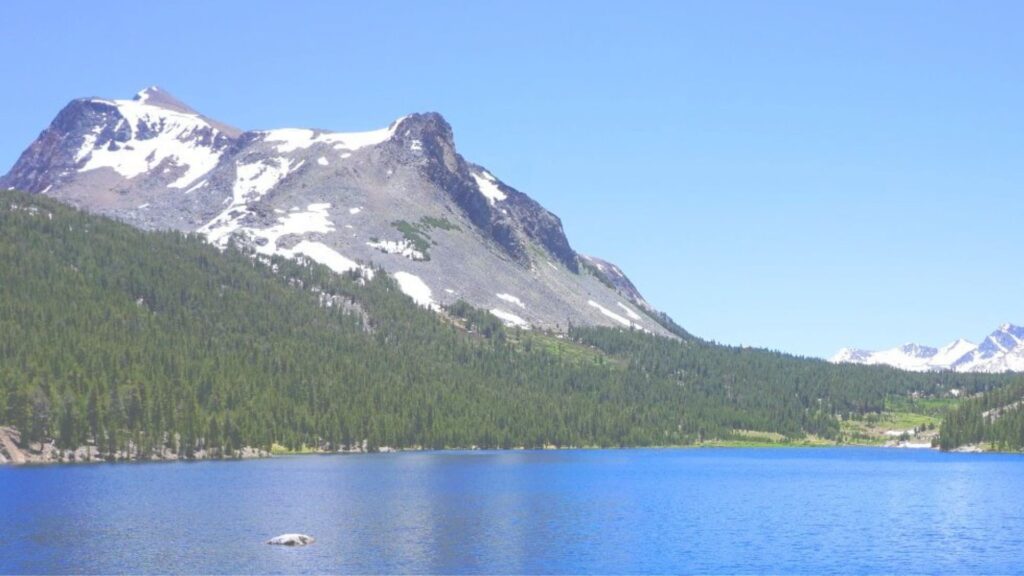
793	175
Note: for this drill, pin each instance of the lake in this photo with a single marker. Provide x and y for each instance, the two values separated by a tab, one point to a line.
589	511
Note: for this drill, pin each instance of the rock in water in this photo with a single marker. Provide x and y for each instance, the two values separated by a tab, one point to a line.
292	540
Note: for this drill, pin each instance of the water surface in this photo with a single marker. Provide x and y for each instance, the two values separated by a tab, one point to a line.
603	511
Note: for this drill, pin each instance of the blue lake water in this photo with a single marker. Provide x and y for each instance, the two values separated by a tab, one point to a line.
606	511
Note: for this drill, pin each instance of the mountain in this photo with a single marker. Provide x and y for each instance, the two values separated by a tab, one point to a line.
400	198
1001	351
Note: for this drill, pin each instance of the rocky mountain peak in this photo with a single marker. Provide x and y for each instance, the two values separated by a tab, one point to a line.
425	126
400	197
430	134
157	96
1013	330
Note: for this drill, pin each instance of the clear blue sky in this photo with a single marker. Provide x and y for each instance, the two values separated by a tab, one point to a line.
794	175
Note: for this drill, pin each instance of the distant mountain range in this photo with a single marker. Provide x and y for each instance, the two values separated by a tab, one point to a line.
1000	351
400	198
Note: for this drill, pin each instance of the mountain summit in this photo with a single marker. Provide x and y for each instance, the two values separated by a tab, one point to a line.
1001	351
401	198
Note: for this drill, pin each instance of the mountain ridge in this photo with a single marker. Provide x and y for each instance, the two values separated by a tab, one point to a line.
401	198
1000	351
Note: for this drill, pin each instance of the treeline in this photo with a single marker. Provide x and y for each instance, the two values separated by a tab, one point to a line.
759	389
118	337
995	418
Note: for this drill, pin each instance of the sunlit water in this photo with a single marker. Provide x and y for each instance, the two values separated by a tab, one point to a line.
609	511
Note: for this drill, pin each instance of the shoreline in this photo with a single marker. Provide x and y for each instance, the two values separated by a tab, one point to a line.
726	445
46	453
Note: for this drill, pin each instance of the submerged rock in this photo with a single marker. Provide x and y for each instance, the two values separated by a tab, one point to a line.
292	540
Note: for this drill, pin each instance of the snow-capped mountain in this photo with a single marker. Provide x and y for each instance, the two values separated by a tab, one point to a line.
401	198
1001	351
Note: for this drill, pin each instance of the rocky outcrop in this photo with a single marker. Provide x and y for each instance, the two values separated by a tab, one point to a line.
613	277
9	451
513	225
14	451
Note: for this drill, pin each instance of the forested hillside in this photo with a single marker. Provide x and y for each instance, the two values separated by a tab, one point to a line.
765	390
114	336
995	419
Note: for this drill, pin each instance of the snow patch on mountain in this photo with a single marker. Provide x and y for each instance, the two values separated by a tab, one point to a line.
328	256
256	179
252	181
488	186
511	300
196	186
145	94
154	135
951	353
401	247
510	319
414	287
621	320
292	139
629	311
316	219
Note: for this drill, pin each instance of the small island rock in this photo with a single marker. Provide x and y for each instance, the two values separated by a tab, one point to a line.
292	540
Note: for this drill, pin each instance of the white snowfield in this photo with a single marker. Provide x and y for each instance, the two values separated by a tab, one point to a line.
629	311
401	247
414	287
511	300
252	182
1001	351
292	139
145	94
315	219
510	319
624	321
488	187
324	254
156	135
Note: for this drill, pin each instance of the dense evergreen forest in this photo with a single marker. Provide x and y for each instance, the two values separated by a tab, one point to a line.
114	336
995	418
